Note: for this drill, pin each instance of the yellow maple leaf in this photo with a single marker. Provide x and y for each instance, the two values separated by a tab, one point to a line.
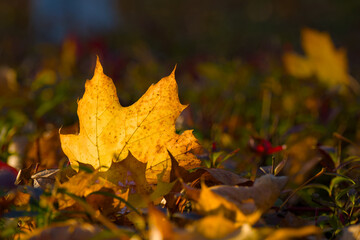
322	59
108	131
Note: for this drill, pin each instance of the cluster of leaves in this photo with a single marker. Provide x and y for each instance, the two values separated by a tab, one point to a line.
131	175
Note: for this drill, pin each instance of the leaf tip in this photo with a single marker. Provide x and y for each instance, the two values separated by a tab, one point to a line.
173	71
98	67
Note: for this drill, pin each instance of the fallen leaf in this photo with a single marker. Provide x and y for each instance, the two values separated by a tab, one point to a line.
247	232
291	233
45	150
109	131
264	192
322	59
208	202
129	173
84	184
66	231
161	228
211	176
222	176
297	65
24	175
302	157
142	199
45	178
173	200
246	203
162	189
214	227
178	171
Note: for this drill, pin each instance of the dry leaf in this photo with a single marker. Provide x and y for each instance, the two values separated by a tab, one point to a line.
302	157
83	184
109	131
291	233
161	228
129	173
208	202
247	232
45	150
222	176
264	192
322	59
214	227
219	227
45	178
246	203
65	231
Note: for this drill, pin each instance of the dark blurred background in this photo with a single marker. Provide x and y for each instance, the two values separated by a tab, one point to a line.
228	55
172	31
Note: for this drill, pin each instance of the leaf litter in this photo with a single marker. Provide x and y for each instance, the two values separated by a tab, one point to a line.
132	178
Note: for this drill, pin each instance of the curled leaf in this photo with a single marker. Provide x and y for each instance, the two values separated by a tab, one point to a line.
245	203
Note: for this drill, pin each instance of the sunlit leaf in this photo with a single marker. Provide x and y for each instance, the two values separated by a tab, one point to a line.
109	131
322	59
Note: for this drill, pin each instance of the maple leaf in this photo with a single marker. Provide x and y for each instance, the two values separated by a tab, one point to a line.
129	173
322	59
84	184
108	131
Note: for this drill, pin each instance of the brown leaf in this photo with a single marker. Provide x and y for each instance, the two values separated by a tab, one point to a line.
45	151
45	178
178	171
264	192
214	227
84	184
24	175
243	204
66	231
129	173
222	176
302	157
208	202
